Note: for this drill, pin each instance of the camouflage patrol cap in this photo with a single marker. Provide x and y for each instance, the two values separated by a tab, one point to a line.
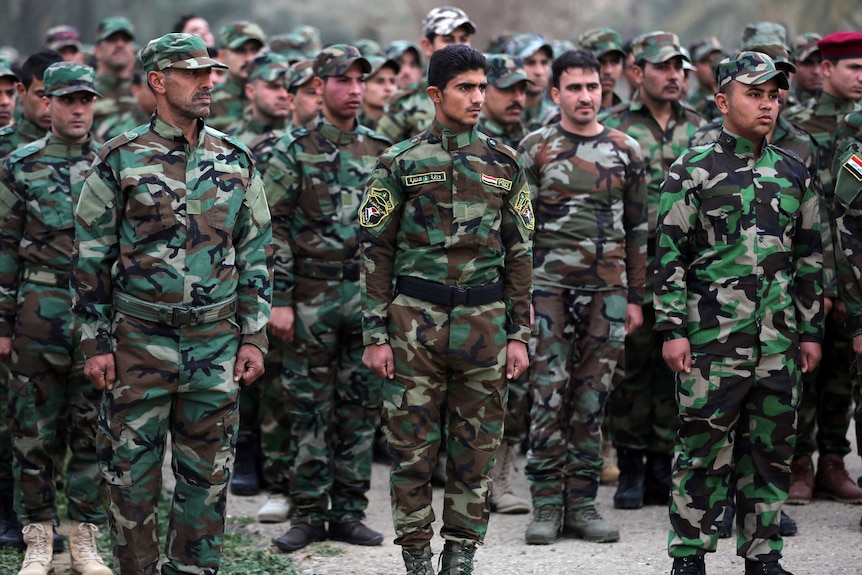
61	78
368	47
805	45
763	34
63	37
267	66
602	41
175	50
703	48
504	71
299	74
234	35
779	54
310	37
6	69
750	68
335	60
497	44
379	62
525	45
113	25
394	50
444	20
562	46
288	45
657	47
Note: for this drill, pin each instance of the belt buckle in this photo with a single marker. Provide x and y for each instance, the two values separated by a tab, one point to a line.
458	295
183	315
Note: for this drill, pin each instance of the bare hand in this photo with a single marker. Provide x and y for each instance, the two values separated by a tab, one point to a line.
101	371
634	318
677	354
827	306
380	360
249	364
839	311
5	348
281	322
810	354
857	344
532	316
517	360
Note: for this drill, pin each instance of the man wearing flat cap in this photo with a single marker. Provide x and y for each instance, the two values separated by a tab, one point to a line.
314	182
171	283
115	53
738	302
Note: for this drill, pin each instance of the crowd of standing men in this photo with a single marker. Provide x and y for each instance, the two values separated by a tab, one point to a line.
287	257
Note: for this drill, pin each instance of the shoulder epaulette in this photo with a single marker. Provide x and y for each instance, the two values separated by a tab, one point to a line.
788	153
500	147
123	139
374	135
402	146
26	150
6	130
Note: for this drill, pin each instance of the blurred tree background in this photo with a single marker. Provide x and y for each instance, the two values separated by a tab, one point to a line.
24	22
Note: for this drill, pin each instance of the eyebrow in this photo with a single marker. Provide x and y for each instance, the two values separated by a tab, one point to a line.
472	85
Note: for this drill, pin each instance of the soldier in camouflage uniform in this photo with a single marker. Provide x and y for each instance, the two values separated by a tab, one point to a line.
411	111
145	105
536	54
314	183
642	415
114	51
303	94
809	70
447	220
607	45
824	412
739	305
705	54
240	42
172	285
409	59
50	401
8	80
67	41
35	119
589	268
380	86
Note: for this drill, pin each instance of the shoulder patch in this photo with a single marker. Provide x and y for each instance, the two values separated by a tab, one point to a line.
375	208
524	208
853	164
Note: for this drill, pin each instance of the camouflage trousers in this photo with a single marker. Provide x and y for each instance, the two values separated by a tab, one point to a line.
825	406
449	363
5	434
334	402
641	412
579	343
738	419
275	419
52	408
176	381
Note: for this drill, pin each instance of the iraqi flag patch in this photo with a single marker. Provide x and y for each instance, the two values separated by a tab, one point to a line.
854	166
497	182
375	208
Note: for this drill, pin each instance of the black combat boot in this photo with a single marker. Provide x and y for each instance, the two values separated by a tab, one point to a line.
457	559
753	567
11	536
693	565
245	479
657	479
725	528
630	491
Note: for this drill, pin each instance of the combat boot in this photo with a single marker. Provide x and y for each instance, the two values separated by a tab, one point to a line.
801	481
657	478
786	525
457	558
37	560
587	524
545	527
244	478
503	498
10	527
753	567
692	565
833	481
630	491
85	555
610	474
725	527
418	561
275	510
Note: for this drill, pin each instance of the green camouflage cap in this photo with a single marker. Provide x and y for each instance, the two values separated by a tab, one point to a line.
657	47
335	60
444	20
310	37
113	25
6	68
63	37
299	74
779	54
175	50
61	78
525	45
380	62
288	45
393	50
703	48
805	45
267	66
763	34
504	71
602	41
561	47
368	47
232	36
497	44
750	68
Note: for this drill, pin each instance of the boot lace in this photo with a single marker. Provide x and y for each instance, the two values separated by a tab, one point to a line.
37	544
85	543
546	513
418	563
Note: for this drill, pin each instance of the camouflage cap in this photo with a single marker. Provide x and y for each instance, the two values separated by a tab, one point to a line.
335	60
368	47
175	50
504	71
299	74
394	50
310	37
525	45
750	68
703	48
763	34
497	44
562	46
63	37
602	41
444	20
61	78
805	45
6	69
686	60
379	62
267	66
113	25
288	45
232	36
657	47
779	54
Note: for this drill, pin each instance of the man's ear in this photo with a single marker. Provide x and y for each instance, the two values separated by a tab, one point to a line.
435	93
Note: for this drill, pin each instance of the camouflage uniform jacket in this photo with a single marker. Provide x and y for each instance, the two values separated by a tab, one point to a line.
22	132
170	224
533	117
252	128
116	98
113	126
590	203
314	182
229	105
849	128
509	135
738	251
39	186
450	208
848	229
407	113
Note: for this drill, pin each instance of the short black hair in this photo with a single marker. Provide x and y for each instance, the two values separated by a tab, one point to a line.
452	60
578	58
183	20
35	65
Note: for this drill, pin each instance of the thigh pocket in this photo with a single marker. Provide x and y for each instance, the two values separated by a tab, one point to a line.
693	389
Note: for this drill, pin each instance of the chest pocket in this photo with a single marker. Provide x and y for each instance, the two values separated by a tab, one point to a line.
150	201
721	212
481	218
788	211
55	208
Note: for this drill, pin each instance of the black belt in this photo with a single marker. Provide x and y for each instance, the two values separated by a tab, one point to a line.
449	295
316	269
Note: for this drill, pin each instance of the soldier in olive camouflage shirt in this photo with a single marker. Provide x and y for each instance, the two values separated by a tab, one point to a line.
35	119
241	42
115	54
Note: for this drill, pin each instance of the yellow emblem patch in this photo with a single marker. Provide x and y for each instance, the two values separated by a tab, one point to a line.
524	209
375	208
419	179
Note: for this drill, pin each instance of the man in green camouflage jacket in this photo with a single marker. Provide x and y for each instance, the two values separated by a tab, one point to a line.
446	278
504	99
115	53
172	285
35	119
240	42
739	305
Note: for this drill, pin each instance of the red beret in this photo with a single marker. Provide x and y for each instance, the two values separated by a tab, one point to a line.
841	45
